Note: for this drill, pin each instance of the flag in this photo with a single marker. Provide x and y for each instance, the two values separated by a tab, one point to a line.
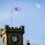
17	9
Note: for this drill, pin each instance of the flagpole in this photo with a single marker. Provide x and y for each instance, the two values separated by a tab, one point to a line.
11	18
14	9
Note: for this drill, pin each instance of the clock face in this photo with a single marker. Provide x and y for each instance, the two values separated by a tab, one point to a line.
14	38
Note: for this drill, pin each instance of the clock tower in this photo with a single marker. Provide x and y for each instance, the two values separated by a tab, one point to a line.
12	35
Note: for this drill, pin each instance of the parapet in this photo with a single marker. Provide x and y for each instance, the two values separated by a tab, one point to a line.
8	29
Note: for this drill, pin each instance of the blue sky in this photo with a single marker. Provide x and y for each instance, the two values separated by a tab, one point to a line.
32	16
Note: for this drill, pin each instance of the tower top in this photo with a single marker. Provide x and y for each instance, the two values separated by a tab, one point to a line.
8	29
